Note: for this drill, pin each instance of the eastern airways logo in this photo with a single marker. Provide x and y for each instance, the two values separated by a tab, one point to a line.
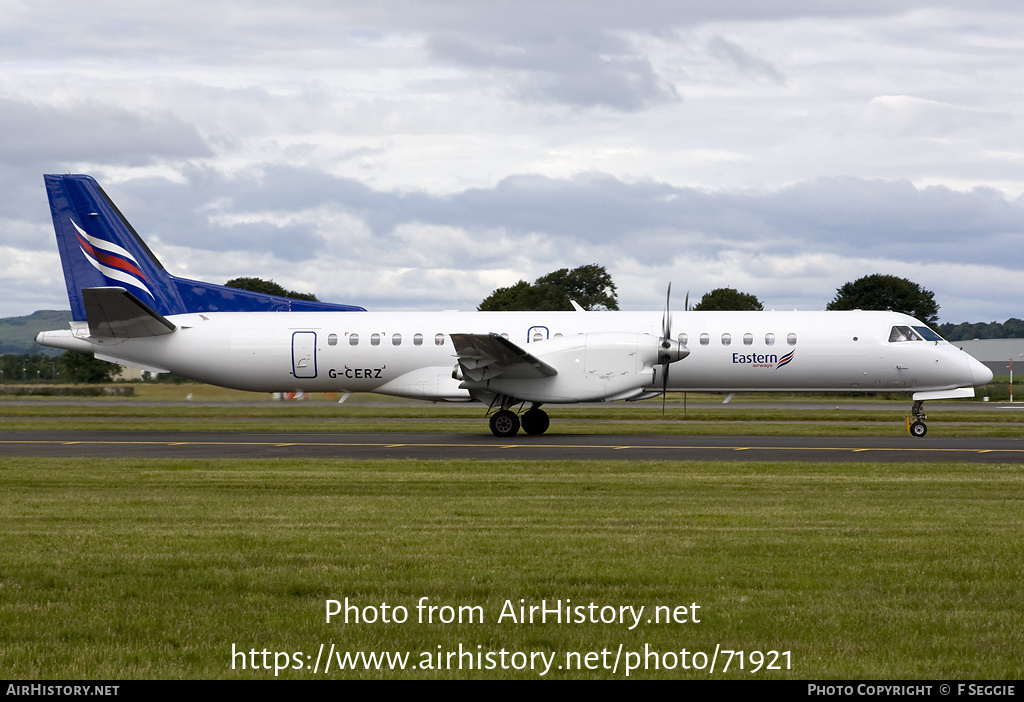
111	260
763	360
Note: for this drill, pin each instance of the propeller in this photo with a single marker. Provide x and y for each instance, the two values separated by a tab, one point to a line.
666	346
686	307
669	349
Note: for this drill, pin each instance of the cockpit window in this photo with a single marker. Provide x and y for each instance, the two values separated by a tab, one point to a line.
928	334
900	333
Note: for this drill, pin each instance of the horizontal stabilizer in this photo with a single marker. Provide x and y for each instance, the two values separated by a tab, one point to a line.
116	313
487	356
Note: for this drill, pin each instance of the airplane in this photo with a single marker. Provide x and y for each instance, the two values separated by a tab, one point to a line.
128	309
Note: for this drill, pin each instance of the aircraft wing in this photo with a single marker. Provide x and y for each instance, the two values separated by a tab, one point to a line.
488	356
115	312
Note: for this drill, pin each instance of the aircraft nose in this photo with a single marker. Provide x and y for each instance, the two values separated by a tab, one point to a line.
980	373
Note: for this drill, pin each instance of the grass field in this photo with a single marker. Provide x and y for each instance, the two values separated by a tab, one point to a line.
158	568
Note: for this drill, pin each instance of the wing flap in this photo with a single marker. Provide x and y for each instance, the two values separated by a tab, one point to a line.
116	313
488	356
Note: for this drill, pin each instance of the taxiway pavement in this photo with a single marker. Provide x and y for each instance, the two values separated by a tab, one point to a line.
551	446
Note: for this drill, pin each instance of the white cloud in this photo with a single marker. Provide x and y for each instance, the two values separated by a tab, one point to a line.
421	154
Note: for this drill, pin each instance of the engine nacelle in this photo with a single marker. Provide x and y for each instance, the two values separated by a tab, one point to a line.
592	368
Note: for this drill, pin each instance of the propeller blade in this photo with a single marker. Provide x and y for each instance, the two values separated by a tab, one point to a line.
666	318
664	388
666	335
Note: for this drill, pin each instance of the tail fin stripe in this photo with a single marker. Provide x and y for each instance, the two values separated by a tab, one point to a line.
112	265
115	274
104	245
108	260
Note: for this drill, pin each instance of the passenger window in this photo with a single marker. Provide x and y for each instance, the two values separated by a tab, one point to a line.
769	339
396	339
748	339
682	338
705	339
417	340
791	339
726	339
538	336
353	339
332	340
439	340
375	340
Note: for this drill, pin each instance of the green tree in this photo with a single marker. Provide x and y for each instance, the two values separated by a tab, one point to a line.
887	292
590	286
520	296
28	368
76	367
268	287
728	300
1012	328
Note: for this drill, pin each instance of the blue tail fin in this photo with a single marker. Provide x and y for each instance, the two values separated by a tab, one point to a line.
99	248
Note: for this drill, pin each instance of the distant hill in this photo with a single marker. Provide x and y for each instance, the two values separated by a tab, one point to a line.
18	334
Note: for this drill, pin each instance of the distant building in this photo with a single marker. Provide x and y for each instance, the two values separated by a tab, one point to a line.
128	374
996	353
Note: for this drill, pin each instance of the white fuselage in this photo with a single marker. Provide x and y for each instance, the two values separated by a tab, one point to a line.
410	354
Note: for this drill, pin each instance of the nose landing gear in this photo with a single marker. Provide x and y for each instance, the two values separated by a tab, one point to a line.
915	424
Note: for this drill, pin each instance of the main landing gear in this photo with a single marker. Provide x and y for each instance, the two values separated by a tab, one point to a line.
915	424
505	423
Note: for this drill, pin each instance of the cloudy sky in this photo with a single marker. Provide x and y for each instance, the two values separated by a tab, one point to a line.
400	154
